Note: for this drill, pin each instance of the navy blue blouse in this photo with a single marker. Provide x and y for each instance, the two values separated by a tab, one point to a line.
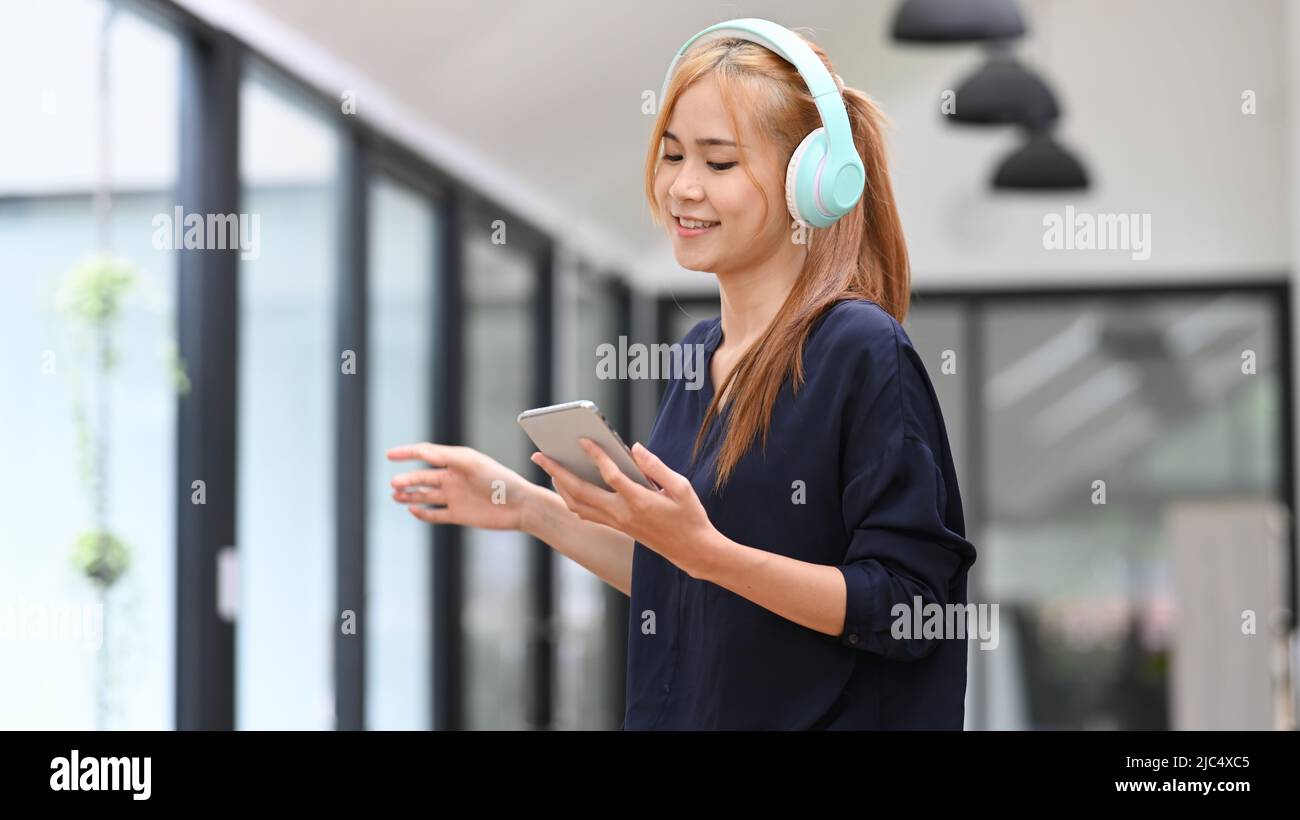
857	474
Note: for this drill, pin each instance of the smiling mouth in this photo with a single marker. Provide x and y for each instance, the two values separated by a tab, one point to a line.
694	224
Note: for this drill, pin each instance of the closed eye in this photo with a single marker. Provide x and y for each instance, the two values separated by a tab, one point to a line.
717	166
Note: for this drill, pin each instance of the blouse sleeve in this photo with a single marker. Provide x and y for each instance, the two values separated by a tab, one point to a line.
894	502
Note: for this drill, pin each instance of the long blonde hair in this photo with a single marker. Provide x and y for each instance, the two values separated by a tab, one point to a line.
862	256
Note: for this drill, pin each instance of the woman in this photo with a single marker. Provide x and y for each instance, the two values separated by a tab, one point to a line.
809	502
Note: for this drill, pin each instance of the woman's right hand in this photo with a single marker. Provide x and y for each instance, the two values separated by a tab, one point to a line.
473	489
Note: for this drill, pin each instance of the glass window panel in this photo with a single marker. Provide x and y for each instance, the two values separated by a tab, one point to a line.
500	302
402	247
288	366
92	662
1147	395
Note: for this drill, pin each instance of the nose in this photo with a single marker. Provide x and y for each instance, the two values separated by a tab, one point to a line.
685	186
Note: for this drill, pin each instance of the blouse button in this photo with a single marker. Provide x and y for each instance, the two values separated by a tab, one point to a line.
853	637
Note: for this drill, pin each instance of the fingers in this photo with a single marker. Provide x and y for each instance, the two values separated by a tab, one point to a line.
609	471
581	510
673	482
576	492
418	478
438	455
404	452
433	515
434	496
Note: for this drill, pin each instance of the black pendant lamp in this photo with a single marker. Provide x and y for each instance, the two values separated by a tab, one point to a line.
1004	92
957	21
1041	164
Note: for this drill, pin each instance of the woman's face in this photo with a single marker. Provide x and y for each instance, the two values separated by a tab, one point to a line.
700	177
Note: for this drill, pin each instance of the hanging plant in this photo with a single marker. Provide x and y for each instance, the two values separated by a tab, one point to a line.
93	291
101	556
90	299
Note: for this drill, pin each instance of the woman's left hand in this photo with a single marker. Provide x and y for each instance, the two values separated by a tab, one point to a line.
671	521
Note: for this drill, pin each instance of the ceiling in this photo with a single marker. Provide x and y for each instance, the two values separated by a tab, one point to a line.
550	94
539	105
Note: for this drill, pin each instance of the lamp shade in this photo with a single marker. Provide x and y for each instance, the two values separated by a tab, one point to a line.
957	21
1041	164
1003	91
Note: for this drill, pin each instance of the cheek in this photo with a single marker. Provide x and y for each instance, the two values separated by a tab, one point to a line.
737	202
745	205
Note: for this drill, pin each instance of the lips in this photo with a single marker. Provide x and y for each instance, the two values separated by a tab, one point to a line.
709	223
686	233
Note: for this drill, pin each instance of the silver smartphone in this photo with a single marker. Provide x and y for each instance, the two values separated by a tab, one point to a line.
556	430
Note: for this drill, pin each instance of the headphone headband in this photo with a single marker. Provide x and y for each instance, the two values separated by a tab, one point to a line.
772	36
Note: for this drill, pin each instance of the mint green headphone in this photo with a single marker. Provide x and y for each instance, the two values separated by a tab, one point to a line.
825	177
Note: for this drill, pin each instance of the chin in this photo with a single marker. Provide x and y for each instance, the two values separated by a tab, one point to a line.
697	259
700	265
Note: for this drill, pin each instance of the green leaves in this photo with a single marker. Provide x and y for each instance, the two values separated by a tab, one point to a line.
100	556
92	291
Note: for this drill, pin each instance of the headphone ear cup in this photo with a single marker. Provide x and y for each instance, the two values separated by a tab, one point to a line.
801	179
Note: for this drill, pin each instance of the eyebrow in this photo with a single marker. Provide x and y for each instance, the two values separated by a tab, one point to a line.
704	141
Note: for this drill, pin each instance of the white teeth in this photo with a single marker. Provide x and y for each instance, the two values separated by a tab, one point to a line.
691	223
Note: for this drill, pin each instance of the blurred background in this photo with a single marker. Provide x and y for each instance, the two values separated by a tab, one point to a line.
445	219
